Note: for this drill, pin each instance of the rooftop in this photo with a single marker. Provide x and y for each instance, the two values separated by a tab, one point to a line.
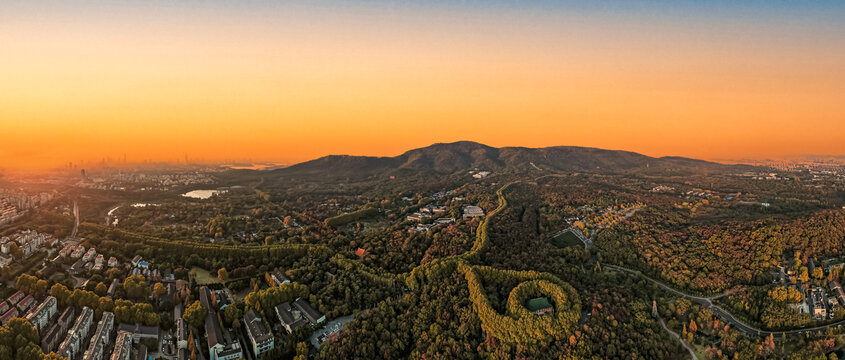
538	304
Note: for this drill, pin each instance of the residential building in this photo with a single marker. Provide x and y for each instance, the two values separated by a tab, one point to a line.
472	211
11	313
4	306
70	347
24	304
17	296
53	337
89	255
6	260
260	337
112	288
100	338
43	313
66	251
834	285
78	252
122	346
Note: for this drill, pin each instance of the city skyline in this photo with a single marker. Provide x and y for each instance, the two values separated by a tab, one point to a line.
84	80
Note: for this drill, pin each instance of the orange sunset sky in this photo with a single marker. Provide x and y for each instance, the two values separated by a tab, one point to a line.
290	81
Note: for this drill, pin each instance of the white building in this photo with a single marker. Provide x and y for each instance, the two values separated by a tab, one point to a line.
43	313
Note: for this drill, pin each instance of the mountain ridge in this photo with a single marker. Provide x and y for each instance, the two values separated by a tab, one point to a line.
447	158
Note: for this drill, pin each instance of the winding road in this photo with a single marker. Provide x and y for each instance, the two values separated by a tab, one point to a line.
707	301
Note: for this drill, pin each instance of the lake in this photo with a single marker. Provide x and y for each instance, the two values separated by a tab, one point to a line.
202	194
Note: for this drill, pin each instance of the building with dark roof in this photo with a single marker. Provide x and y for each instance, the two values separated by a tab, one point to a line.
70	347
290	317
205	298
540	306
220	344
100	338
312	315
260	337
300	314
53	337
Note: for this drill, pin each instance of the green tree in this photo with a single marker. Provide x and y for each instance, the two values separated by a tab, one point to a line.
195	314
101	289
19	340
231	315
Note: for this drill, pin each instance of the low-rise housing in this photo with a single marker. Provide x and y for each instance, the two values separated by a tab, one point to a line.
472	211
78	252
11	313
17	296
24	304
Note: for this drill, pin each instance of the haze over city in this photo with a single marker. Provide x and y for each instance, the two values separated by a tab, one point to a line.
288	82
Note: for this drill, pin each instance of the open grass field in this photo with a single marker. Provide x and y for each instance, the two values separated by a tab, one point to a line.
204	277
566	239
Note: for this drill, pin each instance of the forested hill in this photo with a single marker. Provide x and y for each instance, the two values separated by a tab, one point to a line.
447	158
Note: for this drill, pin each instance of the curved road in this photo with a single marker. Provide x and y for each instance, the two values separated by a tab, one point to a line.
707	301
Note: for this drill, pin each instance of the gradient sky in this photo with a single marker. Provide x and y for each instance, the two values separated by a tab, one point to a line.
290	80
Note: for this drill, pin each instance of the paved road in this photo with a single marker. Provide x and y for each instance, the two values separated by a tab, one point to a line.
707	301
76	221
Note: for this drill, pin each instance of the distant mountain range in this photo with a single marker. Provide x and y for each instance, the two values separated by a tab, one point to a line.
447	158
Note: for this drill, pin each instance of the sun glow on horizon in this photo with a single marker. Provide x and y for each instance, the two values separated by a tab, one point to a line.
269	82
